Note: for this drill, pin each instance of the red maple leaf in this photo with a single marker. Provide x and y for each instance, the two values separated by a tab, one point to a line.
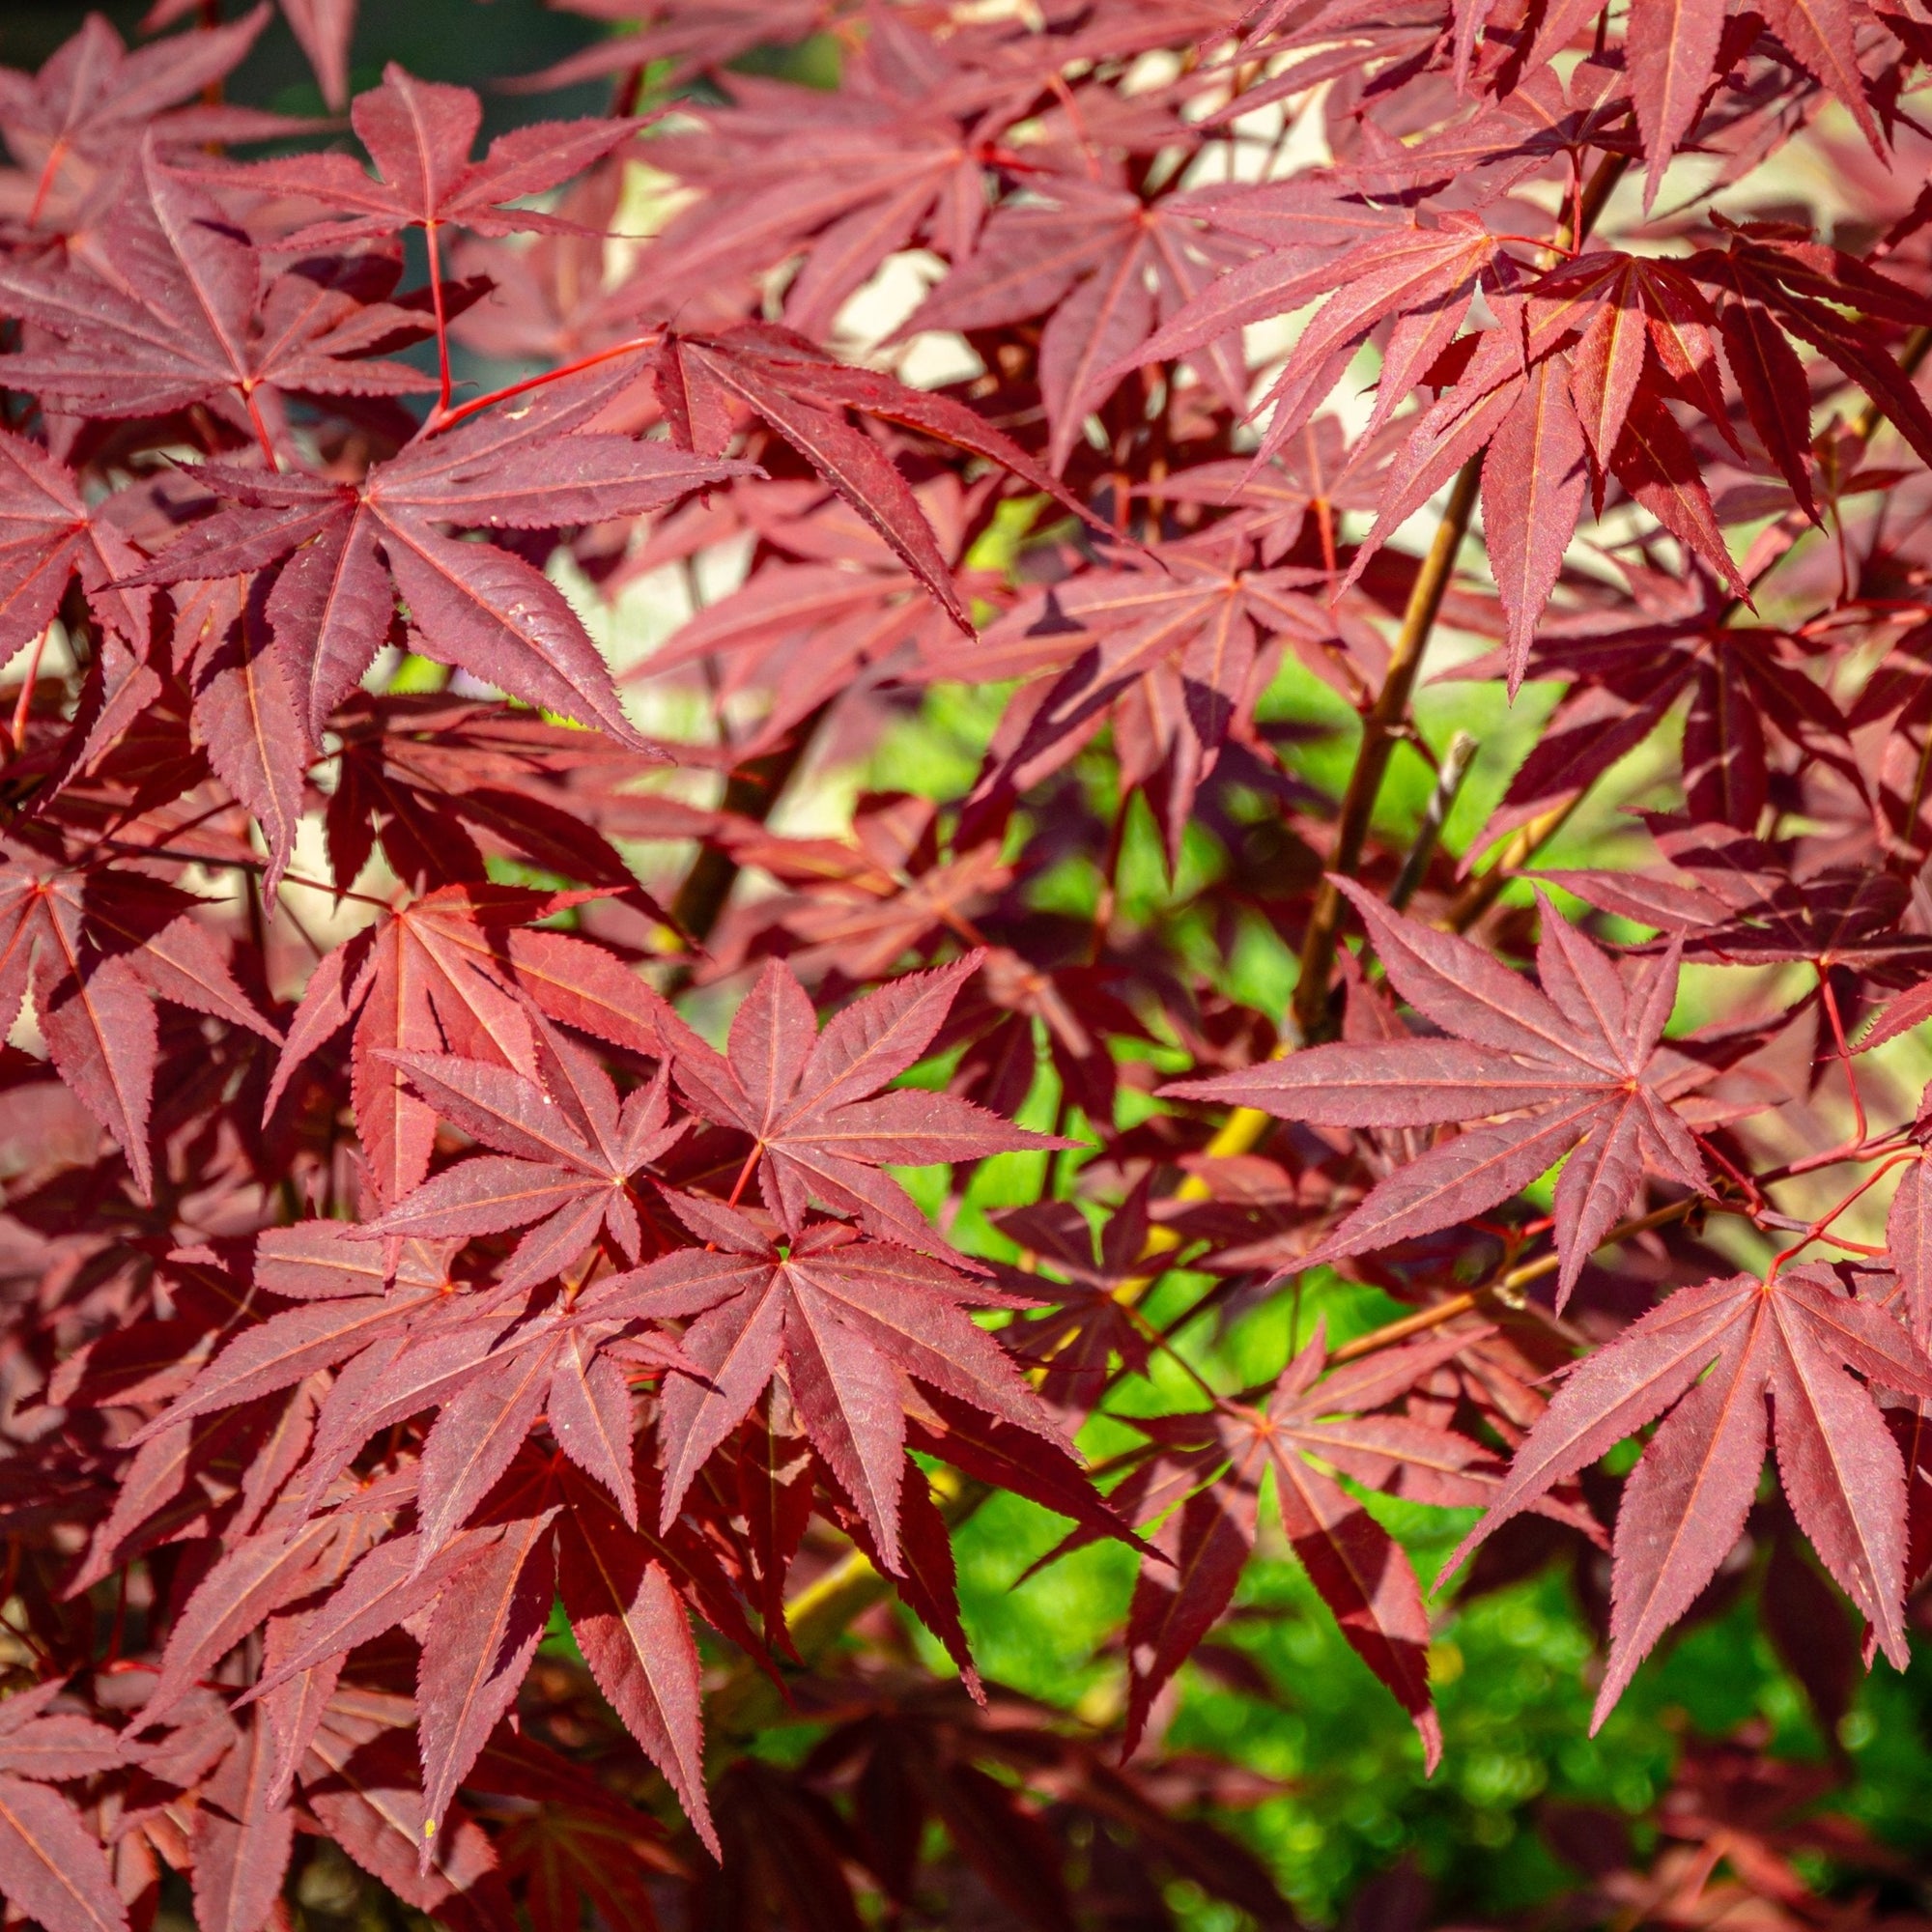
353	550
50	1863
47	533
436	781
1401	268
1787	1342
821	1128
187	318
1575	1059
565	1154
449	972
418	134
322	28
1310	1426
804	395
1107	269
78	124
847	1319
97	946
1175	649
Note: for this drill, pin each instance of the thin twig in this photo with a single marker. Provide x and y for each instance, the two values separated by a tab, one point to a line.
1454	769
1483	891
1512	1281
751	791
1379	741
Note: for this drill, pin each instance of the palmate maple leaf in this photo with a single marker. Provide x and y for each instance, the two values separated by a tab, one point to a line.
1107	269
346	1301
1737	902
1317	474
1576	1060
1673	49
50	1863
450	972
437	782
821	1128
189	318
565	1153
1311	1427
353	550
97	947
1647	325
566	1361
1750	691
803	395
1606	340
489	1375
1777	282
1788	1342
1076	1005
1888	723
322	29
906	150
548	297
858	909
1090	1327
49	533
76	125
846	1319
1568	391
1407	270
360	1774
1175	649
571	1839
419	133
832	614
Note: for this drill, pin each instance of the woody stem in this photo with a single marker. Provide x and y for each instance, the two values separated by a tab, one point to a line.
1455	768
1372	755
751	791
1512	1281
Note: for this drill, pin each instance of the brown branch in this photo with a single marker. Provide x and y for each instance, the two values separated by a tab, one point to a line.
751	791
1455	768
1918	345
1379	740
1512	1281
1482	892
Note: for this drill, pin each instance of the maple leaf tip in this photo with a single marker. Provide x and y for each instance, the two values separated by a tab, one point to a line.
1457	1557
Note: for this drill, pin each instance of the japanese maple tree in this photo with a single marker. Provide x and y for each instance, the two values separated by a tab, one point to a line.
1155	767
